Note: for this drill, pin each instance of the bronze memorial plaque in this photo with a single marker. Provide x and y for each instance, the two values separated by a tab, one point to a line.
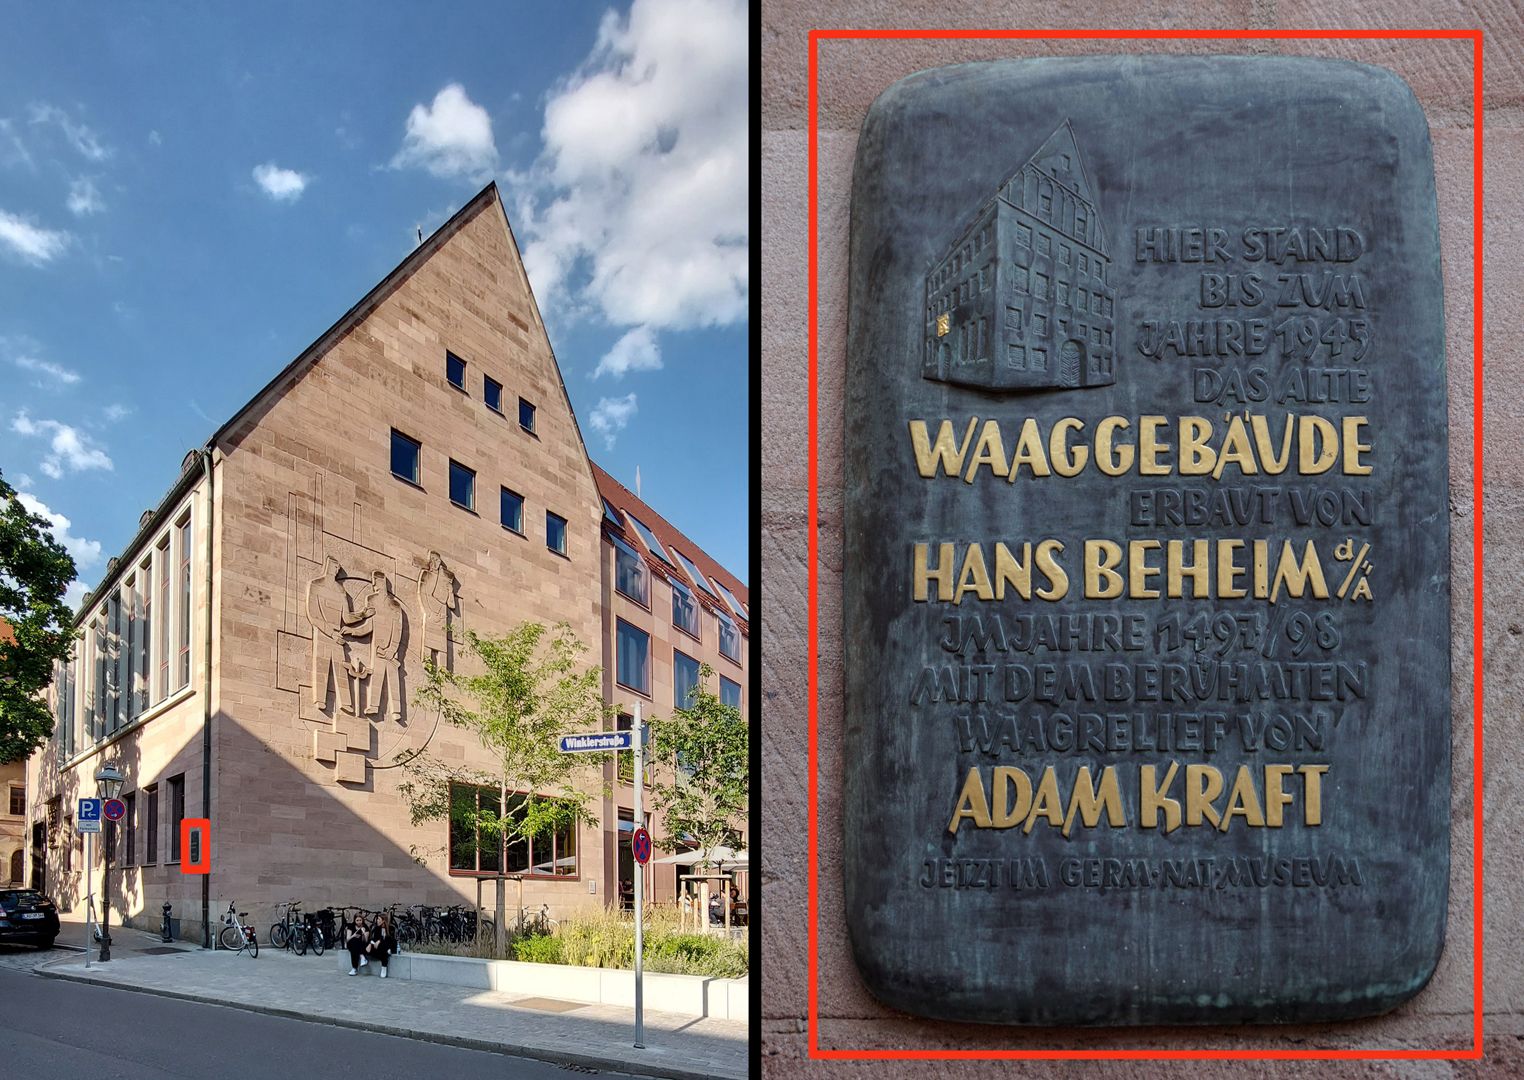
1147	603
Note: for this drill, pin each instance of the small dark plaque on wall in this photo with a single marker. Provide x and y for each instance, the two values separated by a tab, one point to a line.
1147	582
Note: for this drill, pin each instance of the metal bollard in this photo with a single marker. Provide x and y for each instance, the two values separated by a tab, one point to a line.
164	932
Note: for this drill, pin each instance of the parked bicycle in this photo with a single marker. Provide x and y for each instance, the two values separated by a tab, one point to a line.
236	935
280	932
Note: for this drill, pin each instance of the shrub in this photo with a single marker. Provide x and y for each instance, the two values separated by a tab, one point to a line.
538	949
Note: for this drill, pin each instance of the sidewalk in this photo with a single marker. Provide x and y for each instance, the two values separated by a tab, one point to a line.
313	988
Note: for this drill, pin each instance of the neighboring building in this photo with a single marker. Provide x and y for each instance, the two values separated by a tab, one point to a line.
1024	297
252	655
668	610
12	809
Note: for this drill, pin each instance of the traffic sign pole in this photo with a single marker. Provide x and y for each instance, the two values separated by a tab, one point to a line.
89	893
639	732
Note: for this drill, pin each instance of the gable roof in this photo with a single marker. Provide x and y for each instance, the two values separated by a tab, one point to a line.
672	538
230	431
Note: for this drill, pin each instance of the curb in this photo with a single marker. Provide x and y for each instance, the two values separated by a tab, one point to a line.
552	1057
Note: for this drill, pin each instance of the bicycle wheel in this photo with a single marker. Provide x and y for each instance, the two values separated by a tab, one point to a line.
315	939
278	936
298	940
230	938
253	945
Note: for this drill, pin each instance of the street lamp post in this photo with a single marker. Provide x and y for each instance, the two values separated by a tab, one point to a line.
108	785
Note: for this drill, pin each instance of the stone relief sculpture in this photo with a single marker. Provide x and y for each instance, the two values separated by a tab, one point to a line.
437	600
329	613
385	615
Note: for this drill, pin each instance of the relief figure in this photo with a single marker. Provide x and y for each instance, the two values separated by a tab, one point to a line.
437	602
328	612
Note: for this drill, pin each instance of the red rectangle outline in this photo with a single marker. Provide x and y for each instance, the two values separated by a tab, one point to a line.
812	595
202	865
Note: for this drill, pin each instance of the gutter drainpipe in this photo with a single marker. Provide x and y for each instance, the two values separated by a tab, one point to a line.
206	692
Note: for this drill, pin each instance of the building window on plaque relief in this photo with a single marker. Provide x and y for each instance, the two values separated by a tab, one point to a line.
685	679
982	322
684	609
633	657
526	415
1024	235
1039	285
1040	325
492	393
730	693
462	485
1079	221
455	371
185	602
1084	263
1063	293
630	576
1065	253
1044	244
1082	298
406	453
176	814
1017	355
511	510
1039	359
730	640
555	532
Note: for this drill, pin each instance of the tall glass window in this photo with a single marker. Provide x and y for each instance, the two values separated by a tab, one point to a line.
144	596
130	651
685	679
511	509
151	824
730	693
455	370
114	662
164	568
462	486
176	814
555	532
405	454
633	648
730	640
630	576
182	674
492	393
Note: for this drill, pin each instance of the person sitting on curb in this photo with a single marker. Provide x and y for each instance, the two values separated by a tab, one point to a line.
356	938
381	942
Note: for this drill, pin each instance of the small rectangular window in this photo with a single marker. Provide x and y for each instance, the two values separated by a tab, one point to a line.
405	454
633	657
730	640
151	824
555	532
685	679
455	370
18	801
730	693
130	821
176	814
684	609
630	577
512	510
492	393
526	415
462	485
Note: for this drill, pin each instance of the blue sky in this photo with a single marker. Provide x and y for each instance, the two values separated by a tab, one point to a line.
187	200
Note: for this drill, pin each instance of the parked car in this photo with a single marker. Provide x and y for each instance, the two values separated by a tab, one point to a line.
27	916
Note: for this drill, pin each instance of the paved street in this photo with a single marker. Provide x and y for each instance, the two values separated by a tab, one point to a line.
56	1030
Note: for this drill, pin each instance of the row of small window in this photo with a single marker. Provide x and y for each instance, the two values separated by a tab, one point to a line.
632	656
492	391
1044	187
407	453
963	292
1082	262
633	581
960	259
472	852
1015	322
136	650
718	590
127	828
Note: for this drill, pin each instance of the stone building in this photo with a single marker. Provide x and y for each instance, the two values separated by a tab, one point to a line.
253	653
12	809
1024	297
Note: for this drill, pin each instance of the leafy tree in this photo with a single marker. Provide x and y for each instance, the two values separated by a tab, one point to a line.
34	572
526	690
703	794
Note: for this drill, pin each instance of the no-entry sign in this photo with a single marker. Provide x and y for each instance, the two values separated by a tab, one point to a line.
640	843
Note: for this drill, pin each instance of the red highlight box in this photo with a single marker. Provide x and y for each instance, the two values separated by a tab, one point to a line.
201	829
1474	1053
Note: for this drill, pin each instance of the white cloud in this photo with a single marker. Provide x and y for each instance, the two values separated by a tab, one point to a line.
282	185
34	244
117	411
639	200
84	198
23	480
85	141
71	449
154	138
611	415
56	374
14	151
86	553
452	137
75	594
636	351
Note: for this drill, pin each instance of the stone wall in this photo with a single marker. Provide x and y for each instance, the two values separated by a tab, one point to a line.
851	75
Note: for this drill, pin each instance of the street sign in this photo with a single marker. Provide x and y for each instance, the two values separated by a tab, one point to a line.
114	810
640	843
89	817
596	741
196	843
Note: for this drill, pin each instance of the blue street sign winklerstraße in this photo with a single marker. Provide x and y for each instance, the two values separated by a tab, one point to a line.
597	740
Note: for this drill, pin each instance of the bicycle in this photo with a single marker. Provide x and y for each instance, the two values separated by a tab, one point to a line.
280	932
236	936
309	935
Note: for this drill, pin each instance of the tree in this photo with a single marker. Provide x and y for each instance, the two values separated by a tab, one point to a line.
34	572
528	689
703	794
